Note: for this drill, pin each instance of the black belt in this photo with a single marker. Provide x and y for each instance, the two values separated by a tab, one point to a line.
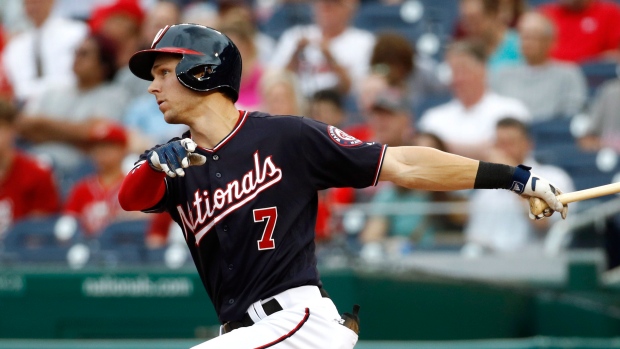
270	307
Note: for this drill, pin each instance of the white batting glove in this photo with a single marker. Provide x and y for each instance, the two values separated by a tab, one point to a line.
537	186
173	157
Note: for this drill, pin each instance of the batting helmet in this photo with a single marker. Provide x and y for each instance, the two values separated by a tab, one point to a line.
203	50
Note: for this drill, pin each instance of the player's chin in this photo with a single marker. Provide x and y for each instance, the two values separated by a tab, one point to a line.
172	118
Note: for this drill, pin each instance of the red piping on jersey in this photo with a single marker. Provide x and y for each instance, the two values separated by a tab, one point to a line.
290	334
380	164
240	122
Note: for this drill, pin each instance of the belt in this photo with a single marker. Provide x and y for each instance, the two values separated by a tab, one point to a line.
270	307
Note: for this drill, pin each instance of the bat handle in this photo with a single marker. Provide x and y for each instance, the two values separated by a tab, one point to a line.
538	206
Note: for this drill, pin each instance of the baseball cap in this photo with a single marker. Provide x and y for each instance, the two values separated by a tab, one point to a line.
108	133
391	100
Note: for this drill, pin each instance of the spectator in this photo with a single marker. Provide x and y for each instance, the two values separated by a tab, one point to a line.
242	34
603	127
329	53
549	88
505	227
467	123
280	93
395	58
385	230
59	121
121	22
586	29
94	200
41	57
26	186
480	21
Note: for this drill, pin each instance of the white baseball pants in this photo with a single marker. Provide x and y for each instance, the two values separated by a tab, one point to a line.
307	321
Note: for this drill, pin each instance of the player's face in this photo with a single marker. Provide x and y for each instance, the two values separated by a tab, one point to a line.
175	101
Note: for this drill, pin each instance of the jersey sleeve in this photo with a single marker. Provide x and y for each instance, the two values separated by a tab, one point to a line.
336	159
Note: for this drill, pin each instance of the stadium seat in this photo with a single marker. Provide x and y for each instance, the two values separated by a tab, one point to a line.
36	240
123	242
286	16
597	73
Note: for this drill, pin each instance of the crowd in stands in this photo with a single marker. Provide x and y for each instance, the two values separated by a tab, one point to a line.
498	81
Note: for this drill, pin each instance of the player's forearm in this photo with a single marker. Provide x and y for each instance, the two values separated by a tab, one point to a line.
428	169
142	189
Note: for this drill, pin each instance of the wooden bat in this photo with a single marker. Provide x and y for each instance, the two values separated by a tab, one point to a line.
538	206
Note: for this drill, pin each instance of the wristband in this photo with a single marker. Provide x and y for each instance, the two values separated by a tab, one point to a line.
519	178
494	176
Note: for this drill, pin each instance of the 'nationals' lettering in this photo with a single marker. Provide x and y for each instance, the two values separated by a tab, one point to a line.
208	209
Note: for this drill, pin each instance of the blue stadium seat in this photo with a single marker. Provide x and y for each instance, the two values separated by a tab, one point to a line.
123	242
597	73
286	16
34	240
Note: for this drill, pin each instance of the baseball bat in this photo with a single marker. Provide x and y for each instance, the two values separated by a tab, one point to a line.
538	206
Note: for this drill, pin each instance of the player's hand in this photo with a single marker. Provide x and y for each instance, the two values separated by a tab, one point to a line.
173	157
537	186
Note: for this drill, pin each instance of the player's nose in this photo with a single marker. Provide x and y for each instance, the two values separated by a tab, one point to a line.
153	87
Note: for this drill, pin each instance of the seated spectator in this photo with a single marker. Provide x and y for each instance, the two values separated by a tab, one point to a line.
586	29
121	22
59	121
27	187
280	93
394	57
329	53
498	222
386	230
467	123
480	21
41	57
549	88
603	127
94	200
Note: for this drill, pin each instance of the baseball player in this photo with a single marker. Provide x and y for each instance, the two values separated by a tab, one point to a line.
243	187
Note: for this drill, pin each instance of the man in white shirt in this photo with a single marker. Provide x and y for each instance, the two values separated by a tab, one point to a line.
499	222
467	123
42	56
329	53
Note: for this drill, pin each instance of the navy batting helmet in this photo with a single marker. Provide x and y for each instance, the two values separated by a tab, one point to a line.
203	49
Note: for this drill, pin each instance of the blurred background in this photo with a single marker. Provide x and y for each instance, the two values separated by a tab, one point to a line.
509	81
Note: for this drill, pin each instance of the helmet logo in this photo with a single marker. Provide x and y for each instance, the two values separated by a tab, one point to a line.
160	34
202	73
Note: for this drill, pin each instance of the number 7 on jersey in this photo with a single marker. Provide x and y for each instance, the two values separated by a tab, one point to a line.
270	214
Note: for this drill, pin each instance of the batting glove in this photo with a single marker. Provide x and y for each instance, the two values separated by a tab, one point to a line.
528	184
173	157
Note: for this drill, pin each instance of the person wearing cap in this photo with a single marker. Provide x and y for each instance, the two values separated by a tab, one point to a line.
27	186
94	199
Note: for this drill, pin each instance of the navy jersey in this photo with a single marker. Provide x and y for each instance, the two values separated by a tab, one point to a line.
249	213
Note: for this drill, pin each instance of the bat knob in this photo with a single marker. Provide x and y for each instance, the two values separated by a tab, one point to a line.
538	206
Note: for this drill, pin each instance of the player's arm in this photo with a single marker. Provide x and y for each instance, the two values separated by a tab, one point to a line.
430	169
